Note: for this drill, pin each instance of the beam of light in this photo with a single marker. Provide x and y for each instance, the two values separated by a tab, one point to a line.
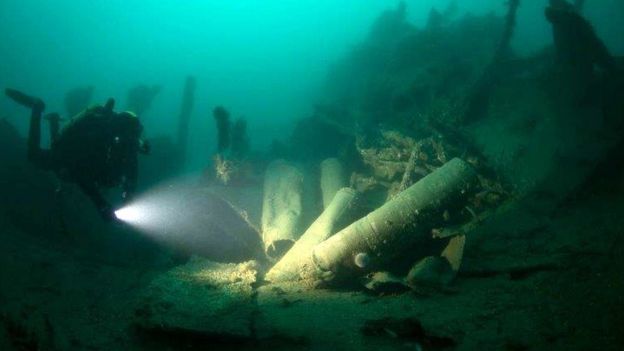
189	217
147	214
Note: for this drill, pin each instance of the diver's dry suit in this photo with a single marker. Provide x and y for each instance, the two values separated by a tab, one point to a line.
97	149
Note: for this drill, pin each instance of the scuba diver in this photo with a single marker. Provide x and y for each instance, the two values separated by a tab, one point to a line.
97	149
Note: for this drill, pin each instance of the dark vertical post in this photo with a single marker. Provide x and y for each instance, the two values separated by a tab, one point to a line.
510	24
188	100
478	101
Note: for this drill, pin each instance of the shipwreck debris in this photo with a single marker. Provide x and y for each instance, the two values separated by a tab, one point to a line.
239	139
577	46
385	283
432	272
335	217
333	178
389	231
479	99
188	101
222	119
281	207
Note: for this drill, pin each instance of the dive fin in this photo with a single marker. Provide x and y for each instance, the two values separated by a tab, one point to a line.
24	100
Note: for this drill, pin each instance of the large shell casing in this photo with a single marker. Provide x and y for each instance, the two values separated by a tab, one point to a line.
335	217
391	230
281	207
333	178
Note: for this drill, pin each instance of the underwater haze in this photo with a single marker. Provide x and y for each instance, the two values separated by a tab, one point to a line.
264	60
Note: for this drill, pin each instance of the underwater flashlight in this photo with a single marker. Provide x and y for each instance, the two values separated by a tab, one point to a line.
130	214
